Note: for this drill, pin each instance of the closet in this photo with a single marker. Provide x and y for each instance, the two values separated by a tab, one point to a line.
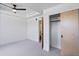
64	32
55	31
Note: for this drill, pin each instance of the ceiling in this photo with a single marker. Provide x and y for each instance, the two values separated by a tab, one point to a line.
32	9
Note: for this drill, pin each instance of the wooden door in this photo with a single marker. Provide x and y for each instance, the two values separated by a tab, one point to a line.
69	32
41	31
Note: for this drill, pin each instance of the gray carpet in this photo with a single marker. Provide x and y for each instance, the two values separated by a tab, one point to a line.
26	48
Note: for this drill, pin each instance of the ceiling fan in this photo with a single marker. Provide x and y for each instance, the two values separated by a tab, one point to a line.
14	7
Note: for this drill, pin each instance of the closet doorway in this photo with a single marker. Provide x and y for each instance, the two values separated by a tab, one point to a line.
55	36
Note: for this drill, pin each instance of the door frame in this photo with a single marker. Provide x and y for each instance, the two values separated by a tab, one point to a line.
41	31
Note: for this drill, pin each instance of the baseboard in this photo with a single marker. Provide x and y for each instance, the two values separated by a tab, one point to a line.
56	47
11	42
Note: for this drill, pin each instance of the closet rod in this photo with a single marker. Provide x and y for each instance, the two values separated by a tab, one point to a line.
55	21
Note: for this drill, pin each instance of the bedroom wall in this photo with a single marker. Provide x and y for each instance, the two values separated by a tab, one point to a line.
12	28
32	29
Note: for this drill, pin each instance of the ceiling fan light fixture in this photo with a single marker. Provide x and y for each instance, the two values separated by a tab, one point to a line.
14	10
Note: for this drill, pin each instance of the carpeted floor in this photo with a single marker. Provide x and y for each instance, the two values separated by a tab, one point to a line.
26	48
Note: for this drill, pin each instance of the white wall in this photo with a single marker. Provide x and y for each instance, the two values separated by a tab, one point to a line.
0	25
32	29
46	32
54	10
55	35
12	28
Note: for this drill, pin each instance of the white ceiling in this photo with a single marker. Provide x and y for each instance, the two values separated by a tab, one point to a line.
37	6
32	8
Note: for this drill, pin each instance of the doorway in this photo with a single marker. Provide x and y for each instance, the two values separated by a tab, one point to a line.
55	36
41	32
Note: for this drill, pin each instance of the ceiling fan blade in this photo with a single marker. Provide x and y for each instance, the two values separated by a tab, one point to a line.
20	9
